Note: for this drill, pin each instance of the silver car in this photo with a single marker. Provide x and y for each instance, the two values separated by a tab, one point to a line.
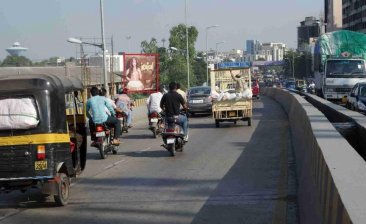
199	100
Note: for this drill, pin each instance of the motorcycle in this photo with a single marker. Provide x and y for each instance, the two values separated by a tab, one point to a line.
155	123
173	136
103	142
311	90
122	117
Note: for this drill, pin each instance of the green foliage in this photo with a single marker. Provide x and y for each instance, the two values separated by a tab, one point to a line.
16	61
199	69
149	47
137	96
173	64
302	65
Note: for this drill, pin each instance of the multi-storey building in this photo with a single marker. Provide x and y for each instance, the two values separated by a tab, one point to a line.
309	29
332	15
354	15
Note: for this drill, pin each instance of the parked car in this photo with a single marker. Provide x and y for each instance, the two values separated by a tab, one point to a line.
255	88
356	100
199	100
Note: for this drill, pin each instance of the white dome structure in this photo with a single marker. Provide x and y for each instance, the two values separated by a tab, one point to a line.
16	49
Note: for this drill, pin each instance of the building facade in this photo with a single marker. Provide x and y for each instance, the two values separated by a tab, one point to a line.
333	15
354	15
252	47
266	52
309	29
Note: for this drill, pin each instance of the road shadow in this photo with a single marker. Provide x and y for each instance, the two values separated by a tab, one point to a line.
150	154
251	191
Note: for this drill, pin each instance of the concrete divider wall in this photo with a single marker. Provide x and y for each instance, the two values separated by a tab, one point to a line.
331	175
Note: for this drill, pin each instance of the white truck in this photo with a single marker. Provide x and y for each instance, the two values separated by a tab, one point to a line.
339	63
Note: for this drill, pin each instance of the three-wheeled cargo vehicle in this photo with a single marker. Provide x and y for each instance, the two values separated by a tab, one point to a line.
42	133
231	110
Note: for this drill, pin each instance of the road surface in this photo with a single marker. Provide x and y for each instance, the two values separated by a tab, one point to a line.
231	174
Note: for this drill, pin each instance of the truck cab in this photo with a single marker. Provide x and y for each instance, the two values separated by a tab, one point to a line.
339	76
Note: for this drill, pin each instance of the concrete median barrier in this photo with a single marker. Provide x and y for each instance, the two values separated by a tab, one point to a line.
331	174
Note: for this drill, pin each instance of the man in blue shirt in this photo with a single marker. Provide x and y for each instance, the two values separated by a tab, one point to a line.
97	106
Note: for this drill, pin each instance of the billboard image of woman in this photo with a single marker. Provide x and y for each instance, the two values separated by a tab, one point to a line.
141	72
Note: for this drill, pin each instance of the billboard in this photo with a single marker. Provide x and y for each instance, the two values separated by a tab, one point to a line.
141	72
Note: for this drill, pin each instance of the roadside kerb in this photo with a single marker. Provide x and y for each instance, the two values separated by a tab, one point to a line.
331	174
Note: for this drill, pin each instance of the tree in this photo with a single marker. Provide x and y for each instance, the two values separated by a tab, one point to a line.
173	64
16	61
178	40
149	47
302	64
199	69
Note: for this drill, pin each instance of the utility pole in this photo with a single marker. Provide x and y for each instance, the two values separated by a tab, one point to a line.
187	45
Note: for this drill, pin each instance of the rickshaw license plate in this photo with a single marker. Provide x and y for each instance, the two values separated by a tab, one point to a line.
154	120
232	114
40	165
100	134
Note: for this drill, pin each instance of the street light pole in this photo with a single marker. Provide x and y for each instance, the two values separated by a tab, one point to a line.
103	48
207	28
187	44
293	65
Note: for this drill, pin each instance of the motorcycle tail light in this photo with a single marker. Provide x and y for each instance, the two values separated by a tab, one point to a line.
99	128
41	152
170	130
153	115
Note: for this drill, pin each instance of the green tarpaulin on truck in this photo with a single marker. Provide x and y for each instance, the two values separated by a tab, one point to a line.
337	42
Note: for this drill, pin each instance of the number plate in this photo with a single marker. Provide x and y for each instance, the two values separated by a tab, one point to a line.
121	119
100	134
197	101
154	120
170	140
232	114
40	165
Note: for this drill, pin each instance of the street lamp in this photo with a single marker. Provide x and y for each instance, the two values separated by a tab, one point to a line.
221	42
207	28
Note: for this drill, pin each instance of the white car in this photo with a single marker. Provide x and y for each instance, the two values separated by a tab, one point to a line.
356	99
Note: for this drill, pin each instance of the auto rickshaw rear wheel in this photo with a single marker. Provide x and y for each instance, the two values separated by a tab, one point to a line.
63	190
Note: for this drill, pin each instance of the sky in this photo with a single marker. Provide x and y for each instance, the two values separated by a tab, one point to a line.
43	26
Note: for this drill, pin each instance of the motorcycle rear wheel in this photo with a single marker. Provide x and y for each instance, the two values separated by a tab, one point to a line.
171	149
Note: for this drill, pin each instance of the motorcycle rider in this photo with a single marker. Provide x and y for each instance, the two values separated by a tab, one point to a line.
311	87
153	102
181	92
103	92
124	102
97	106
171	103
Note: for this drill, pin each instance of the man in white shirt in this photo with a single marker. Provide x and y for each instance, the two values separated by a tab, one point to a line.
181	92
153	102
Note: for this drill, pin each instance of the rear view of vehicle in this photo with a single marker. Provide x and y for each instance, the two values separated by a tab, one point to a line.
172	135
42	145
103	139
199	100
122	117
155	123
255	88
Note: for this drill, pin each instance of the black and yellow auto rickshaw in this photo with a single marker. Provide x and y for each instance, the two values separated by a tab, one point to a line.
42	133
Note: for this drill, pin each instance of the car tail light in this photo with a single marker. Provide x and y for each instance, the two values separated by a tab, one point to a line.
41	152
99	128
